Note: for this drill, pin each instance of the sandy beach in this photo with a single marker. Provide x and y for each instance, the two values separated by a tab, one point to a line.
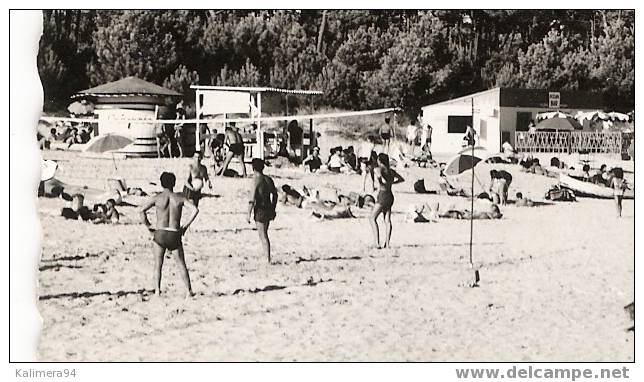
554	279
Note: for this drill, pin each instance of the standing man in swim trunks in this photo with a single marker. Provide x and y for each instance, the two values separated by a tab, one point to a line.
386	132
235	149
168	232
262	203
198	174
412	134
386	177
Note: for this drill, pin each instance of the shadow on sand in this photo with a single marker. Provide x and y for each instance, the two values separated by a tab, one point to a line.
74	295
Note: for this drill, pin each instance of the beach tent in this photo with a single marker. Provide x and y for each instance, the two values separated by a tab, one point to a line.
105	143
559	124
465	160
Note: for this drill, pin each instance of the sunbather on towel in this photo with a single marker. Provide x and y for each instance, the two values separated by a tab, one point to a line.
337	212
492	212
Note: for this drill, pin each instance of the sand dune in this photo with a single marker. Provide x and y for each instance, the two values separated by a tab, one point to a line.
554	280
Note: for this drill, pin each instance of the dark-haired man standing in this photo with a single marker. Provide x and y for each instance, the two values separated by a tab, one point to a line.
168	232
261	204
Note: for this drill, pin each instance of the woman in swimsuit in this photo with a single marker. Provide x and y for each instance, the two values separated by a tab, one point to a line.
386	177
618	184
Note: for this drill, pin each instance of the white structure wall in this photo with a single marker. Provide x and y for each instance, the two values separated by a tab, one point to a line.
495	113
484	109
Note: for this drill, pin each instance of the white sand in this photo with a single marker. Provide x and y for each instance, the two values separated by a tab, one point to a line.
554	281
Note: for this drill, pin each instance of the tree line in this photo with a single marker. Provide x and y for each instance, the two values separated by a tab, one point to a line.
358	58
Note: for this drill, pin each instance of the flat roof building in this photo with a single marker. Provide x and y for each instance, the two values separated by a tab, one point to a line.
497	114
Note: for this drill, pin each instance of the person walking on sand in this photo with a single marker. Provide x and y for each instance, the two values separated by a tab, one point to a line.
235	149
261	204
197	176
386	132
386	177
618	184
169	230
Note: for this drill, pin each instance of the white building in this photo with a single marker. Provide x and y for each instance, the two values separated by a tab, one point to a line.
497	114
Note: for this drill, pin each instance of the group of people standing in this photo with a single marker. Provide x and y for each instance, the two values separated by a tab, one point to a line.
262	202
426	131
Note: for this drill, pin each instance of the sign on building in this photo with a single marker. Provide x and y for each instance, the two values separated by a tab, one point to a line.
554	100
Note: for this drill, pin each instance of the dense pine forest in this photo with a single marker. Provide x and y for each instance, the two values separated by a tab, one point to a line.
359	58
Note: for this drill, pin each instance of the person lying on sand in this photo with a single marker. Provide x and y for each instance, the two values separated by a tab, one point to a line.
289	196
57	189
169	230
198	174
492	213
354	199
337	212
523	202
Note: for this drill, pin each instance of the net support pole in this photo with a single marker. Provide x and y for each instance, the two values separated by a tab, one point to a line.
197	117
260	134
472	194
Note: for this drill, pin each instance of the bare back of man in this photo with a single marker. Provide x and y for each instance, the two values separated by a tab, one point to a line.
168	232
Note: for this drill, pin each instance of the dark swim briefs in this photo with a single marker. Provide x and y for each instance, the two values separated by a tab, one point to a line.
385	136
264	215
386	200
237	148
169	240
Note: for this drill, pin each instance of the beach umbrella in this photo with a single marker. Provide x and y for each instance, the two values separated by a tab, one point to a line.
81	108
581	116
560	124
108	142
465	160
550	115
615	116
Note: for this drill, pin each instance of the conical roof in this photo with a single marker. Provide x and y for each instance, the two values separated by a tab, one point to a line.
128	86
